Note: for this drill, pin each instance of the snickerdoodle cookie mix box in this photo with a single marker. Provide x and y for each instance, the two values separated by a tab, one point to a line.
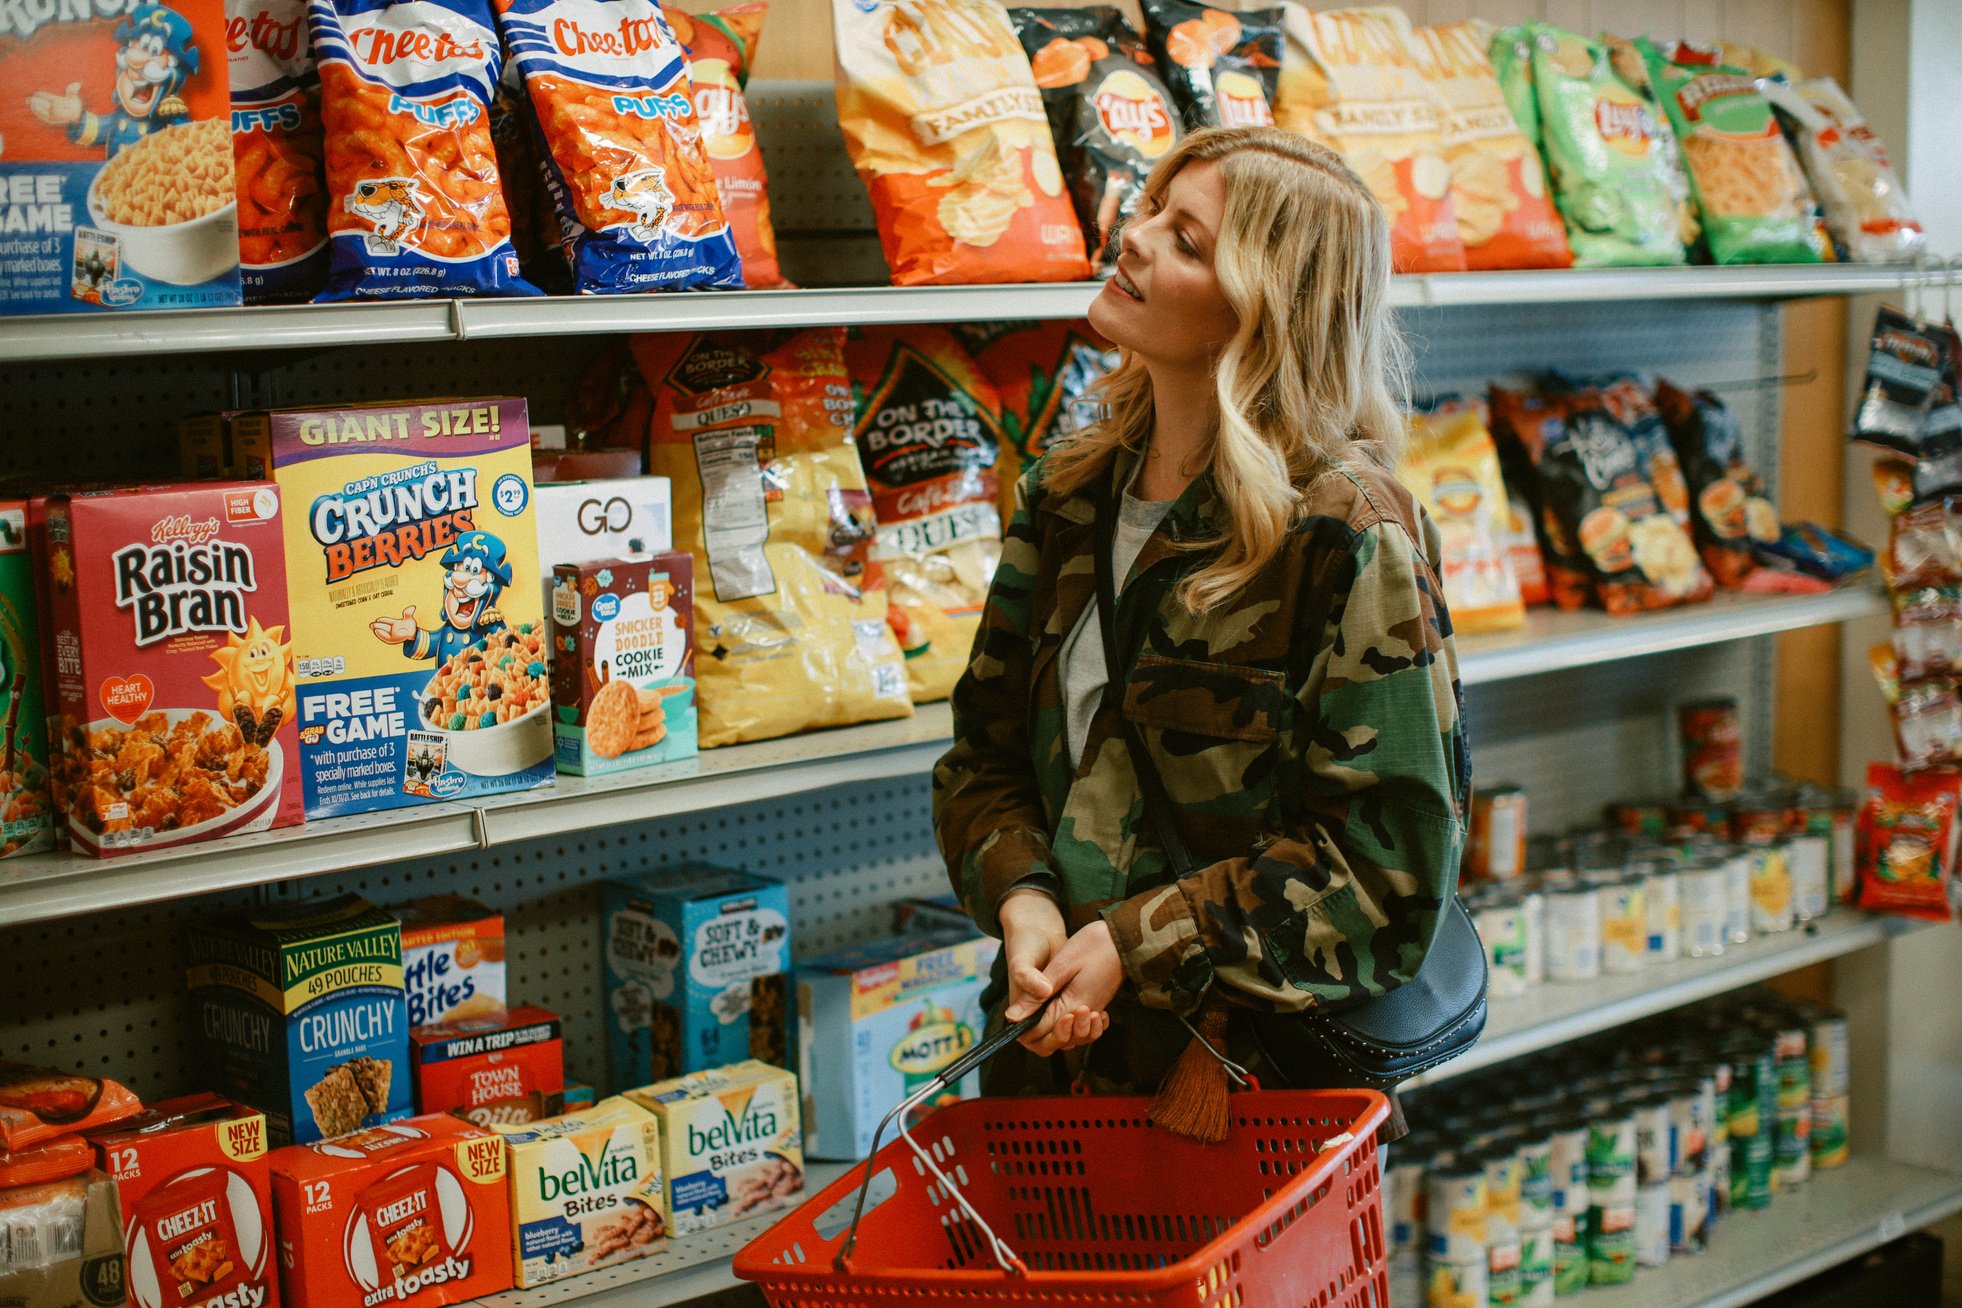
623	685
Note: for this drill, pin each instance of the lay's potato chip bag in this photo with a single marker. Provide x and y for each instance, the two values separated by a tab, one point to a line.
721	49
637	203
1222	64
945	125
1452	467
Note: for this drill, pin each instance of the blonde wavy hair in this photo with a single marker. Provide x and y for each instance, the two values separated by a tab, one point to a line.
1317	370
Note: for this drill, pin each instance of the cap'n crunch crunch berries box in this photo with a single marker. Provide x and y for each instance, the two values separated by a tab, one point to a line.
414	1212
173	673
419	613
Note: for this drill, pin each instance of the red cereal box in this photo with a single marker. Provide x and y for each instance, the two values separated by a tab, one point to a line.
196	1204
507	1069
414	1212
173	672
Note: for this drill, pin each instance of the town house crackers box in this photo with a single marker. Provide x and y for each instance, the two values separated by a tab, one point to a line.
418	613
172	670
26	818
116	180
623	685
301	1014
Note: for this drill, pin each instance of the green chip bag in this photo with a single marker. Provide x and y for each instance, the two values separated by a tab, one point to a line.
1755	204
1602	140
1512	59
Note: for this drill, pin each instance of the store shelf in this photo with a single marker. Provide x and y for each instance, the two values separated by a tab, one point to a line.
1554	1012
93	336
1835	1216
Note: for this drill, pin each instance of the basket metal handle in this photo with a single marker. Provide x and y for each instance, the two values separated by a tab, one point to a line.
949	1077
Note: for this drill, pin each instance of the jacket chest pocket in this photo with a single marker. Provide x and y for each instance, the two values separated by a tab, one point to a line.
1213	729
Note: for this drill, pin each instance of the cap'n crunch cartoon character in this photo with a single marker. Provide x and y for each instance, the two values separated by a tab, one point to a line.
159	54
478	573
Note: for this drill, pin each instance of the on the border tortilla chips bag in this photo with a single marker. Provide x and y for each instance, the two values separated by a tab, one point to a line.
1855	182
1506	219
1110	115
1452	467
1352	80
721	50
1222	65
928	428
944	123
753	430
1603	144
1733	513
1043	374
1753	199
276	151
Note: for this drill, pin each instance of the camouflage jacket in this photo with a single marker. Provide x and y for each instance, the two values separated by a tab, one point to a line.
1308	733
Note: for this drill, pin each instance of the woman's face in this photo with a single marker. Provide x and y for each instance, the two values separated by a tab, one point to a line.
1165	301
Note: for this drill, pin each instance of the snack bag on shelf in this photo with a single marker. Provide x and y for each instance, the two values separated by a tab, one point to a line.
27	815
928	429
1732	513
177	703
1866	210
733	1143
1928	632
116	177
1921	549
1927	718
721	50
1522	544
1605	148
1760	64
1506	218
1045	375
945	125
276	151
637	202
1907	843
452	960
753	430
419	629
521	175
40	1104
1753	199
1633	68
623	686
501	1070
586	1191
1109	114
415	206
1452	467
1222	64
1510	50
67	1243
1904	369
1524	425
1353	81
1631	400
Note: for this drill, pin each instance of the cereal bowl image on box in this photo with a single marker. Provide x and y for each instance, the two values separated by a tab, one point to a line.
488	704
199	1232
182	245
260	780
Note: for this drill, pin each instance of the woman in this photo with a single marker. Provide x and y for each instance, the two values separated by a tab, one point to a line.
1290	664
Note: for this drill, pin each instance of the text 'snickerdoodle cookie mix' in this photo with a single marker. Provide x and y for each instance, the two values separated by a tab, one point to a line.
623	685
419	635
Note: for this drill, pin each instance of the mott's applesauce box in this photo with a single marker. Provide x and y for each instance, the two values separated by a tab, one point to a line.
732	1141
880	1021
116	179
26	812
419	633
301	1015
585	1191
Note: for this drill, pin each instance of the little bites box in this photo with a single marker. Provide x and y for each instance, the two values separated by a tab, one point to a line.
301	1014
585	1191
623	686
414	1212
452	960
196	1204
419	630
173	677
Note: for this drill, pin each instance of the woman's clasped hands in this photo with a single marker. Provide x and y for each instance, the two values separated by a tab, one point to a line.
1083	971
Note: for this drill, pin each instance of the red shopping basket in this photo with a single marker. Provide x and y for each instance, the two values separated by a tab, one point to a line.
1079	1200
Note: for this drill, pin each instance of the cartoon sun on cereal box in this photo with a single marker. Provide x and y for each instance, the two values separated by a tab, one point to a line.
419	634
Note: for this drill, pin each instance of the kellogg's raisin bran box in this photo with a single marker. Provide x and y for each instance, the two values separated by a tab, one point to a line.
419	624
173	674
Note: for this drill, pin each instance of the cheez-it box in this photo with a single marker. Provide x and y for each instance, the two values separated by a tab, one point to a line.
173	670
196	1198
414	1212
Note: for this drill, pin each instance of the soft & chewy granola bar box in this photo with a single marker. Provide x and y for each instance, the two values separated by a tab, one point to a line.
419	632
301	1014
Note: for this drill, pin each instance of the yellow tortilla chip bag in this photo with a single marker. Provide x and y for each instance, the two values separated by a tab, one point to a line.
1452	467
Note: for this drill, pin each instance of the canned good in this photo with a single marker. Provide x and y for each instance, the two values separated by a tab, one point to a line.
1652	1225
1403	1196
1532	910
1501	923
1760	817
1573	931
1807	860
1845	804
1571	1272
1567	1152
1640	819
1826	1039
1753	1105
1740	866
1689	1214
1792	1146
1771	888
1610	1155
1502	1201
1713	748
1406	1279
1503	1281
1831	1124
1498	833
1611	1245
1454	1213
1453	1285
1624	923
1535	1268
1702	896
1662	897
1655	1141
1690	818
1536	1181
1793	1063
1692	1106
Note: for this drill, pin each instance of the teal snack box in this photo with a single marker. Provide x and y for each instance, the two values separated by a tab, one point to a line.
696	960
623	663
301	1014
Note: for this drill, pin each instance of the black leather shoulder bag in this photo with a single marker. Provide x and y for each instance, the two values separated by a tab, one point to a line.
1371	1044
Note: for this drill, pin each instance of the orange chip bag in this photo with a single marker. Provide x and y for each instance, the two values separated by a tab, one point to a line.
943	120
38	1103
1043	374
721	47
1351	79
1505	214
276	148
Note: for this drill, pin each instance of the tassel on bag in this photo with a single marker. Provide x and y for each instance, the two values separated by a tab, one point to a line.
1192	1101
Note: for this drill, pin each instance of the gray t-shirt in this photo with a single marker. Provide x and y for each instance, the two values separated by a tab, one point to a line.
1082	672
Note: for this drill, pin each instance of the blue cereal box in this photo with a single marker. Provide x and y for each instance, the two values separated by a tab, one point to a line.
417	609
695	972
301	1015
880	1021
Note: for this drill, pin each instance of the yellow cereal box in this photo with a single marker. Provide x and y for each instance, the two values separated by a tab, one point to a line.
418	617
585	1190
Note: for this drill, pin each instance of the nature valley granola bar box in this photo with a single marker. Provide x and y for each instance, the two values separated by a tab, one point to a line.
301	1014
733	1143
413	1213
585	1191
26	811
173	674
419	627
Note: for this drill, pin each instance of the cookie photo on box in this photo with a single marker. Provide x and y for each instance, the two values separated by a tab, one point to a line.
623	686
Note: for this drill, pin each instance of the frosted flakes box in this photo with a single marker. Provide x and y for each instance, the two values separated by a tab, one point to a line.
301	1014
733	1143
173	674
419	634
116	184
26	812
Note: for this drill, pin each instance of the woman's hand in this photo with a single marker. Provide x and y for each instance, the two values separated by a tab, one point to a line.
1032	930
1085	975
